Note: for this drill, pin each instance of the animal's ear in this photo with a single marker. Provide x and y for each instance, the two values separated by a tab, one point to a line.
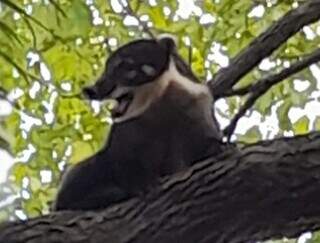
168	42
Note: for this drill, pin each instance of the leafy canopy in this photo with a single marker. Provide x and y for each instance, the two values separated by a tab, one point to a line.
51	49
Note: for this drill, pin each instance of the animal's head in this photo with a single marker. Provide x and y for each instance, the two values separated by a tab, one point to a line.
137	74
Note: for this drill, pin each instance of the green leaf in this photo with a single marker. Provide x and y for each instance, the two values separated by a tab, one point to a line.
14	36
19	171
301	126
253	135
157	17
80	151
234	104
315	238
282	113
316	124
264	103
198	62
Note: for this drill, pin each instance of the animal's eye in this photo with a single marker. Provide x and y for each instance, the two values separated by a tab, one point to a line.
116	62
129	60
131	74
148	70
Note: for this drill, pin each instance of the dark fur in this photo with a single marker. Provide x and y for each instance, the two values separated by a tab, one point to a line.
167	138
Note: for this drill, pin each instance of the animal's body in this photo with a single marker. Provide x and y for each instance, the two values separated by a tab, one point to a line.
162	126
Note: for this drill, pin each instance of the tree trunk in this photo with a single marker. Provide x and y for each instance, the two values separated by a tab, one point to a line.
267	190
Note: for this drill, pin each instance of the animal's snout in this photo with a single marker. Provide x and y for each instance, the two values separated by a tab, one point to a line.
90	93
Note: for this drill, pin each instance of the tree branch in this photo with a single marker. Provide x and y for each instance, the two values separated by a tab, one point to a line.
262	86
267	190
20	10
236	92
264	45
15	106
3	96
58	8
33	34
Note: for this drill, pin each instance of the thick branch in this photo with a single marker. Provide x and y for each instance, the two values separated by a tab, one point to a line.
262	86
270	189
264	45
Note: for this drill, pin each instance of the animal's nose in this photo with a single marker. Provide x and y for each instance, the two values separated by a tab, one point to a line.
90	93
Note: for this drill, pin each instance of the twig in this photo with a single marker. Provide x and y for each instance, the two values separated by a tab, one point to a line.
262	86
190	55
58	8
3	96
33	33
264	45
236	92
2	92
144	26
15	106
19	69
12	34
26	75
21	11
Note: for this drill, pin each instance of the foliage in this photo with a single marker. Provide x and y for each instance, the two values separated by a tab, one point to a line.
51	49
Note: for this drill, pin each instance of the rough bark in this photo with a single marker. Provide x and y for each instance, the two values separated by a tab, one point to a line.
264	45
270	189
267	190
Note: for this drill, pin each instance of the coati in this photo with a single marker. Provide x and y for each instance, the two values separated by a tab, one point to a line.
162	123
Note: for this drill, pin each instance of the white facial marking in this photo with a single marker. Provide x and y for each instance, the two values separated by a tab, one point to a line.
146	94
148	70
131	74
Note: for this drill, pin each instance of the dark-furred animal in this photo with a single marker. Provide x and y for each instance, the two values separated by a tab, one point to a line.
162	123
